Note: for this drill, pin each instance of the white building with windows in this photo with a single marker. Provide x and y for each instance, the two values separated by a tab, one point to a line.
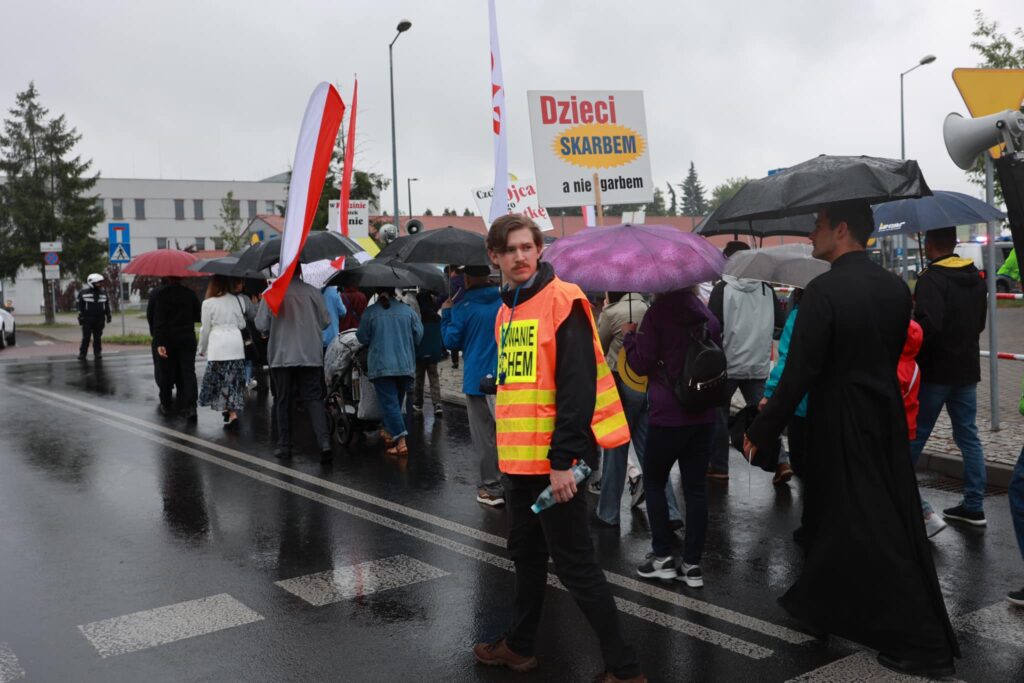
162	213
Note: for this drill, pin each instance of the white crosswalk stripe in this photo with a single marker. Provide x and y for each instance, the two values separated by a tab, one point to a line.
163	625
357	580
43	343
1002	621
861	667
10	667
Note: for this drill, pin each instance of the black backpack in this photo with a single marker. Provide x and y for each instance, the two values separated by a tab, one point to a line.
704	382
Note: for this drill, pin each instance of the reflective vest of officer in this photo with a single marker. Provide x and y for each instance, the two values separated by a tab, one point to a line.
525	411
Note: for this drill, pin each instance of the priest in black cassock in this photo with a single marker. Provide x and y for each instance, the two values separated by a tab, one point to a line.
868	575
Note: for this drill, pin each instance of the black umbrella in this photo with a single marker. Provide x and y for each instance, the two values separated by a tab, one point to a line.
803	188
376	273
800	225
319	245
225	265
428	275
445	245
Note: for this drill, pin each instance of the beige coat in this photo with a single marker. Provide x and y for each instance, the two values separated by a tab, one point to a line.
609	325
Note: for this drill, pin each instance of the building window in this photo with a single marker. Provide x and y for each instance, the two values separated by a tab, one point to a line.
117	206
252	208
161	242
179	209
99	205
236	205
269	207
218	243
200	243
197	208
140	209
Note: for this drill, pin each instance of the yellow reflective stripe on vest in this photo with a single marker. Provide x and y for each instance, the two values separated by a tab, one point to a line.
523	452
606	398
532	425
616	420
511	397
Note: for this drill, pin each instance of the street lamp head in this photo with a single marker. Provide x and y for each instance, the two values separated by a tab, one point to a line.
404	25
411	179
927	59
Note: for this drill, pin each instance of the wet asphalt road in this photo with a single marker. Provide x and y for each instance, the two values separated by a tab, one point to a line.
136	547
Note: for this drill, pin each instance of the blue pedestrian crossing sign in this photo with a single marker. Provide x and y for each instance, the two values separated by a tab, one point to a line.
119	242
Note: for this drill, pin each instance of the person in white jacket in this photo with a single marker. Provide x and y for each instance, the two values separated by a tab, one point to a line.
221	342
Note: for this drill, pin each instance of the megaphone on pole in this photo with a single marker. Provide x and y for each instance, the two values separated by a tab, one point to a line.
967	138
413	226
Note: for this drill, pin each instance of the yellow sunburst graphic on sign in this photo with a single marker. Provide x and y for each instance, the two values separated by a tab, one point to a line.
599	145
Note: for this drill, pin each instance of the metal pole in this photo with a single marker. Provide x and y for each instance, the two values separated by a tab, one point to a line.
903	155
394	151
408	184
120	298
990	280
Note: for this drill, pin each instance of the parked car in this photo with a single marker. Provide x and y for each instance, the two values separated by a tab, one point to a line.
7	328
978	253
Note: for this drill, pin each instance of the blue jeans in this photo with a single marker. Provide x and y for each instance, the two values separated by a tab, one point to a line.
1017	501
391	393
690	447
962	405
613	469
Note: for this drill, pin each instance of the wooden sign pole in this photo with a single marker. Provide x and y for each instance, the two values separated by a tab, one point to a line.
597	200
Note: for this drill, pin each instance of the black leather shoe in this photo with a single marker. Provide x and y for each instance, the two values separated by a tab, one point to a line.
939	668
165	409
191	416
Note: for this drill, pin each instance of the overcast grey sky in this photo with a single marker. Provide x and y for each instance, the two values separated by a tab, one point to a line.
213	89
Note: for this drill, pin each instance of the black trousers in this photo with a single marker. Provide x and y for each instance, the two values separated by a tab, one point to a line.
179	368
93	329
304	384
563	532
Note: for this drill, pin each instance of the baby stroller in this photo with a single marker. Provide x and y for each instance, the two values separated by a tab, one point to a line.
351	399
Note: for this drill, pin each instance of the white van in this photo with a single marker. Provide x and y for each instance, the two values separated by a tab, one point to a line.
978	253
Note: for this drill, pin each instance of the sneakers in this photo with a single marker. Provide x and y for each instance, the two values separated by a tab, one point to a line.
487	498
594	487
658	567
691	575
933	524
961	514
783	473
417	408
499	654
1016	597
438	411
636	490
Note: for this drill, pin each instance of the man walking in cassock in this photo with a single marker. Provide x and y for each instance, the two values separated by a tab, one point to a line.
868	574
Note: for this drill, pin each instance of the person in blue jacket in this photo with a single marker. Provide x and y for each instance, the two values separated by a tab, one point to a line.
467	325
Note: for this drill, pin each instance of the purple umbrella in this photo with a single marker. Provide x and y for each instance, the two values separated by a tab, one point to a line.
635	258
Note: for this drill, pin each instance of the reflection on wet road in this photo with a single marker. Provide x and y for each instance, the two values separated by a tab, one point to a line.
142	547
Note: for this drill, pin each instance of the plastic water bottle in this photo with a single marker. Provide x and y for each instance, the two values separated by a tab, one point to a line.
546	498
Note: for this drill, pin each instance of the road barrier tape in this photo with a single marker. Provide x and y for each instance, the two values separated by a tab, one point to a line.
1015	297
1004	356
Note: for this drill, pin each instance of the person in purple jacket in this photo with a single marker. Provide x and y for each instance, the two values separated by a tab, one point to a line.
675	434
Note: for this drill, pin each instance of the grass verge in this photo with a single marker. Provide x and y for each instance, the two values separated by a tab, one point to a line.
136	339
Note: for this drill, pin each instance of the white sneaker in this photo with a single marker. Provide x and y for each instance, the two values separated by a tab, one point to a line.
691	575
658	567
636	490
933	524
594	487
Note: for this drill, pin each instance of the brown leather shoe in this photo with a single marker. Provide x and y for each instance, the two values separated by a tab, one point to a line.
498	654
783	473
609	677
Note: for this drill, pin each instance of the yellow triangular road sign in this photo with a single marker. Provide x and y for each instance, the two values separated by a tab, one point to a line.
990	91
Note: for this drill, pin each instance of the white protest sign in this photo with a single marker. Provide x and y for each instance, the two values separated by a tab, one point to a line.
358	217
522	198
579	133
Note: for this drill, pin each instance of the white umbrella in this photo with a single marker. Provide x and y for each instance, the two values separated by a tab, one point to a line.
790	264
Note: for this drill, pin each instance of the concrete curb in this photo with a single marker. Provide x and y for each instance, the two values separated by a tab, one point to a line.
997	474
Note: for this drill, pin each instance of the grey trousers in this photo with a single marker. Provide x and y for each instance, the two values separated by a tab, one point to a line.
480	410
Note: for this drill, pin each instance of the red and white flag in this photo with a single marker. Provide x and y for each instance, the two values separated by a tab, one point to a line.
346	173
589	215
499	200
319	131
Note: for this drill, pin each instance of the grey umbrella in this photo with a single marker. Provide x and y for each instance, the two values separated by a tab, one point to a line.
790	264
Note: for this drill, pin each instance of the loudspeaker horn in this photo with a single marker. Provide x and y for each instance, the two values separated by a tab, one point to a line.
387	233
967	138
414	226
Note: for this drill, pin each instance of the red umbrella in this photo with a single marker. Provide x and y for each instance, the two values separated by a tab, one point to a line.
163	263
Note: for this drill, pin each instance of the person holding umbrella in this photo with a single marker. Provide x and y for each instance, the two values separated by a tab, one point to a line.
869	574
93	313
220	340
176	310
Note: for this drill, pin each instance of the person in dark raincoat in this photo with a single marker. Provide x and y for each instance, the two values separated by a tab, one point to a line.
868	575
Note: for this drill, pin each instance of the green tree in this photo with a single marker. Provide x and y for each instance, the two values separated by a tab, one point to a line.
428	212
673	207
467	212
657	207
46	195
694	203
365	185
725	191
231	231
997	51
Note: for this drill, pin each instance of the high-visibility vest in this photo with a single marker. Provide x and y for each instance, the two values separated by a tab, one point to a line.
525	408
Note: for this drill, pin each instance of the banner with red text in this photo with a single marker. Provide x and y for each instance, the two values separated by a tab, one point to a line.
522	198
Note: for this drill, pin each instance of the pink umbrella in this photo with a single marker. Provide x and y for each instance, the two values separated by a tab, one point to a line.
163	263
635	258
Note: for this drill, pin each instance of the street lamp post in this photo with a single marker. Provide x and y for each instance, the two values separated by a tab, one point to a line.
408	185
403	26
927	59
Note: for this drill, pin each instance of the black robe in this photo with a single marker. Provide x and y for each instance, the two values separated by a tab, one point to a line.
868	575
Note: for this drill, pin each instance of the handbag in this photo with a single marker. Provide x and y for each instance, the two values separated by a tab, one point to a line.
248	334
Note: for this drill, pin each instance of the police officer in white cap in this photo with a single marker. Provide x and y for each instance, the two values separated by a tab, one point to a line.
93	314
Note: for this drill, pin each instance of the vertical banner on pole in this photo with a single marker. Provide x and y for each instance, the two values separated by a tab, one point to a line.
498	208
350	151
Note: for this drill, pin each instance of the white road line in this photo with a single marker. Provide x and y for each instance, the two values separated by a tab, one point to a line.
163	625
708	635
325	588
861	667
652	591
10	667
45	342
1002	621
